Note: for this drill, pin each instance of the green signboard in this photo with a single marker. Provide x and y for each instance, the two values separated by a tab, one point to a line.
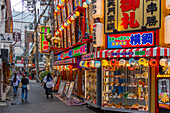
80	50
44	43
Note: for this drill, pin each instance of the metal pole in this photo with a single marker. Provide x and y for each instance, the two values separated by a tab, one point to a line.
52	33
36	36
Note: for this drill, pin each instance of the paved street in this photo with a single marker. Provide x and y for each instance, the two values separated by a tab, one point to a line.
38	103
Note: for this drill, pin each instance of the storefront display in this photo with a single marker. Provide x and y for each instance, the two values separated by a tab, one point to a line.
125	87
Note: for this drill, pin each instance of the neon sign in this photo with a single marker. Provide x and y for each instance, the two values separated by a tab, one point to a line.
77	51
126	40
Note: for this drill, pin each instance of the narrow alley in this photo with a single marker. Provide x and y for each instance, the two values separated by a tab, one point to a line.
38	103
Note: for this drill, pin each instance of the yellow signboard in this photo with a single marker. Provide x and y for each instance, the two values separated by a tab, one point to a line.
130	15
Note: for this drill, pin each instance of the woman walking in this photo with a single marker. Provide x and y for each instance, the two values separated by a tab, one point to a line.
24	82
15	81
48	80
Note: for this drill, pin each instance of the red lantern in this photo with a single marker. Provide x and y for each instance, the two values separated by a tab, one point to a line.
113	62
70	66
59	67
153	62
64	67
88	64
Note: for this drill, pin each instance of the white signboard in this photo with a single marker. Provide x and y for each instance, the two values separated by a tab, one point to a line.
41	64
6	37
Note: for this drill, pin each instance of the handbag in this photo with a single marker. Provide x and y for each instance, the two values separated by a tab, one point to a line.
28	87
20	85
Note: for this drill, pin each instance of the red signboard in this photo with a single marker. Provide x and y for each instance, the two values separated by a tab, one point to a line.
126	40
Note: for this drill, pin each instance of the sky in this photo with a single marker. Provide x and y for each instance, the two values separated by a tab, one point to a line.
17	7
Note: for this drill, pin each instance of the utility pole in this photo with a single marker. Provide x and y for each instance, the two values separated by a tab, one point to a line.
52	33
36	36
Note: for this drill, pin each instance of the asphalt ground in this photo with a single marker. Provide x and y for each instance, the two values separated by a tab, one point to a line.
38	103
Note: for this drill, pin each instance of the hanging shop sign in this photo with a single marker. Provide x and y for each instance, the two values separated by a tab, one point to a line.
68	61
44	44
127	15
126	40
77	51
80	50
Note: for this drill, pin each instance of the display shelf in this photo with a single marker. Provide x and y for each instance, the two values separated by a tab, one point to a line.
123	110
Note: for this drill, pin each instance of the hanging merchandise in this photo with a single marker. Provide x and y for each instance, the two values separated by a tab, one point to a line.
132	62
104	63
97	64
113	62
122	62
81	64
153	62
142	61
70	66
92	63
88	64
163	62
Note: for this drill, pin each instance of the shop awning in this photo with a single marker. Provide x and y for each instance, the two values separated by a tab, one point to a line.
136	52
65	62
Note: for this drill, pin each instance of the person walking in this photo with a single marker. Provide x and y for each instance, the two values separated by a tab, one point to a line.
15	81
48	81
25	82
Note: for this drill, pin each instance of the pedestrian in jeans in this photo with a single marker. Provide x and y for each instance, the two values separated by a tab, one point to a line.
15	81
24	82
48	80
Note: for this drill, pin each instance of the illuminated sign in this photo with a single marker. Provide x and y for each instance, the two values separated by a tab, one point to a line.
126	40
163	76
44	43
128	15
77	51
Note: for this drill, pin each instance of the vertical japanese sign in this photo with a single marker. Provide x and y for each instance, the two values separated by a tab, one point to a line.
110	15
130	15
152	12
44	43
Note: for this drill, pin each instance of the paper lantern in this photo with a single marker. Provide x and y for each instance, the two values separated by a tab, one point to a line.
68	21
92	63
72	18
163	62
97	64
64	67
98	9
142	61
59	67
167	28
65	24
132	61
98	33
168	4
70	66
85	64
153	62
122	62
85	5
104	63
62	27
81	63
113	62
77	14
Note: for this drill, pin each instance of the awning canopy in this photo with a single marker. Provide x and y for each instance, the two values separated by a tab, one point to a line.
136	52
64	62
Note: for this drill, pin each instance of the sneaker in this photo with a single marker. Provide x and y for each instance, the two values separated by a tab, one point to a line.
22	100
